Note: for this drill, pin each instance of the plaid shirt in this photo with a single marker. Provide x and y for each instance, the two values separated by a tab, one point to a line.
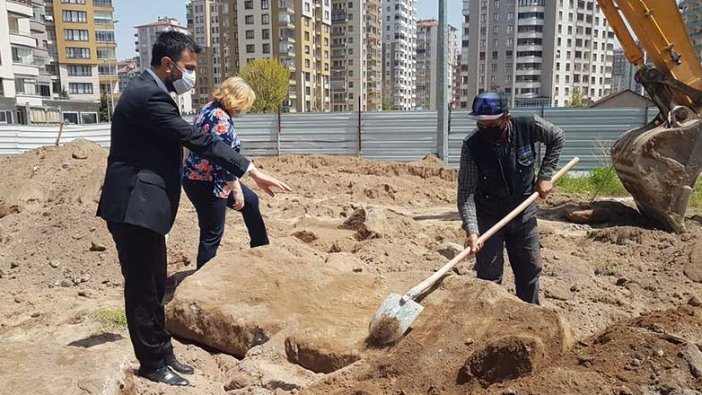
468	175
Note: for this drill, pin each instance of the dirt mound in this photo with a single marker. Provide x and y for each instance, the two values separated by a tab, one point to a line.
457	346
71	174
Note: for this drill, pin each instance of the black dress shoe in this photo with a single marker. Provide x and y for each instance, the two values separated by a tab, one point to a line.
165	375
181	368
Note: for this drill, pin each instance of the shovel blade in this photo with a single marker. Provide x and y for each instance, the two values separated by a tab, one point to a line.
394	308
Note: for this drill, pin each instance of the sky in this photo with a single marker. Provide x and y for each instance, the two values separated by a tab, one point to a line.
132	13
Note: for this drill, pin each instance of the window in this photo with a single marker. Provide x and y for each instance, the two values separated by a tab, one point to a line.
22	55
75	16
266	48
106	53
70	117
77	53
102	3
75	35
105	36
265	19
80	88
83	71
250	34
510	29
88	117
496	17
494	55
250	48
107	69
102	18
495	29
6	116
249	19
266	34
73	1
248	5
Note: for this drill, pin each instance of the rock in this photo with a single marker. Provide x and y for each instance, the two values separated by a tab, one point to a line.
85	278
621	281
635	362
591	216
97	247
449	250
18	299
14	265
79	154
693	356
665	244
695	302
558	292
84	294
66	283
54	264
235	307
693	268
36	314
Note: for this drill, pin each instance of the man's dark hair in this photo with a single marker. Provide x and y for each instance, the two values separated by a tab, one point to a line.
172	44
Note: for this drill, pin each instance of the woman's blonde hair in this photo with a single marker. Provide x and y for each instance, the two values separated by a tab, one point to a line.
235	95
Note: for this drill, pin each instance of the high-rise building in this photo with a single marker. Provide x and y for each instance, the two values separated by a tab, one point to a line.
399	53
82	47
146	36
692	13
296	32
623	73
356	70
427	62
537	54
127	71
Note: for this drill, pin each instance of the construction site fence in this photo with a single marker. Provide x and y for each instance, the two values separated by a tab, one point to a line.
385	136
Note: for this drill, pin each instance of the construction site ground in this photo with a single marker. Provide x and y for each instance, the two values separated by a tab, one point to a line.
621	302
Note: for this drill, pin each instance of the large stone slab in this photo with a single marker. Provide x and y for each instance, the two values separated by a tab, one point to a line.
239	301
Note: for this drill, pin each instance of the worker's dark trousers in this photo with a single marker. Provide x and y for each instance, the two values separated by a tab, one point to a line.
521	237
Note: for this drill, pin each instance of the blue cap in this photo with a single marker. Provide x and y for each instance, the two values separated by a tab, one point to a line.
489	105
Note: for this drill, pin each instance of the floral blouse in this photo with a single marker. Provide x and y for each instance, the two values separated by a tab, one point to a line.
213	119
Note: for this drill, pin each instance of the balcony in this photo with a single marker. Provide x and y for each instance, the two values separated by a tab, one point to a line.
37	26
23	39
103	3
20	7
285	20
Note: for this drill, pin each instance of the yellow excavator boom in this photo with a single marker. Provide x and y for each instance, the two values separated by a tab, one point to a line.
660	163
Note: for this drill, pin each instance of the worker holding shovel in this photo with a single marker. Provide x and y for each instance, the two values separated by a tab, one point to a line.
497	173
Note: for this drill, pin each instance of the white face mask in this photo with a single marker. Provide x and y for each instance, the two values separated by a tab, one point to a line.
186	83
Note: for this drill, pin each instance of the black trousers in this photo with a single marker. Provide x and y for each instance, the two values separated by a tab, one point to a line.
211	215
521	238
142	256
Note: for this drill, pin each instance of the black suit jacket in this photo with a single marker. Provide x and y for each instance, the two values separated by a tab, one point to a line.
143	178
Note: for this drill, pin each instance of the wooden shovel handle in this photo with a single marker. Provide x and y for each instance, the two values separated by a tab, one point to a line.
420	288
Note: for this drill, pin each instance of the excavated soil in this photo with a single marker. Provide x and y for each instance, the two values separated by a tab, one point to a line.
621	300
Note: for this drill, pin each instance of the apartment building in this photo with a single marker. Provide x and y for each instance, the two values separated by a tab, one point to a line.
623	74
692	14
296	32
82	47
537	55
399	54
427	63
356	60
146	36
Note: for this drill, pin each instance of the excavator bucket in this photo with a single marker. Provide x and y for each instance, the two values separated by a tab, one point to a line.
659	165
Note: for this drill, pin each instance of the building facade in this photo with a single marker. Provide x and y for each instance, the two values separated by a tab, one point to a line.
296	32
427	62
623	73
537	55
356	71
399	54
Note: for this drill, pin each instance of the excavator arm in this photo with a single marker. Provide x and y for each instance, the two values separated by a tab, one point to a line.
660	163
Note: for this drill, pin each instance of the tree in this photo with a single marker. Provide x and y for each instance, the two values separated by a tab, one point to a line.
577	99
103	112
387	106
270	79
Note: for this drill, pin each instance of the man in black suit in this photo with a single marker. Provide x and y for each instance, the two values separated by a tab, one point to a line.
141	192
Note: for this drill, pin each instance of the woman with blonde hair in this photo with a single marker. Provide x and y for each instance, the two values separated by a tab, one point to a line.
210	187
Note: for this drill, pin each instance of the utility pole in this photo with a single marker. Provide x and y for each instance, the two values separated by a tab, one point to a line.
442	82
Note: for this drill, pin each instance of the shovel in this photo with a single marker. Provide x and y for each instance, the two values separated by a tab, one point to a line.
398	312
